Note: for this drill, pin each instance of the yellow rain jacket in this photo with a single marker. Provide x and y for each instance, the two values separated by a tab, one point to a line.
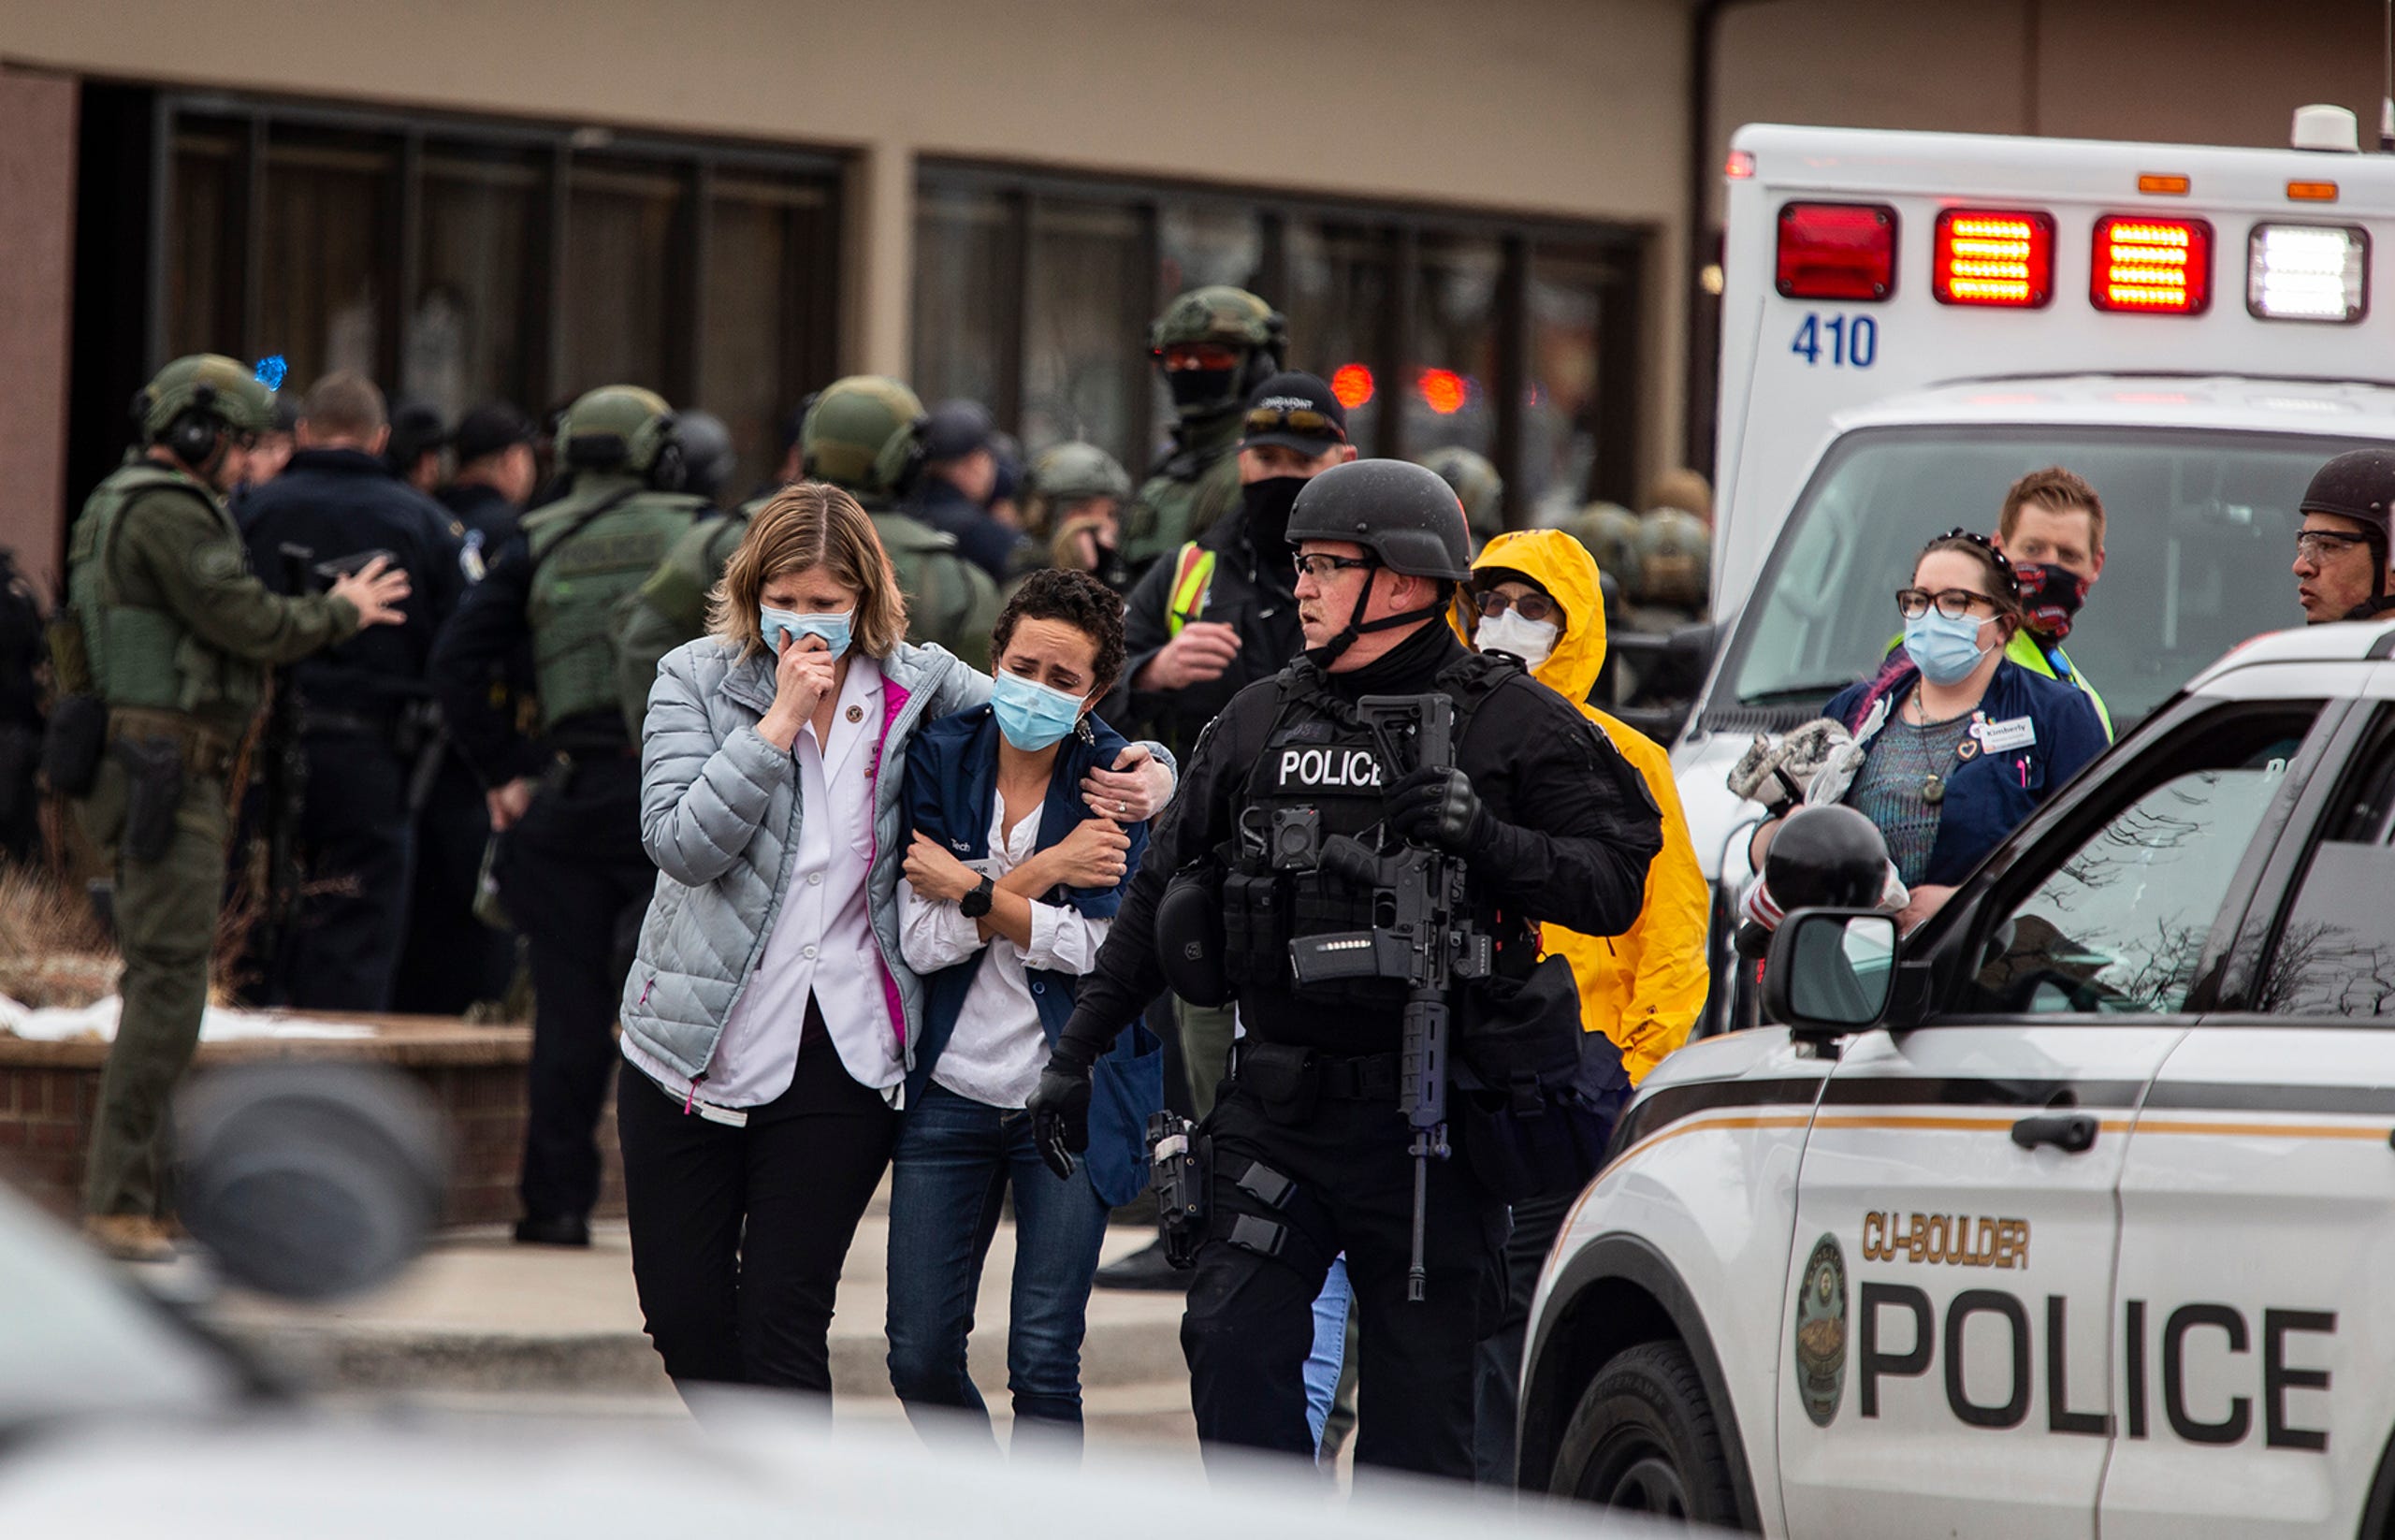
1644	988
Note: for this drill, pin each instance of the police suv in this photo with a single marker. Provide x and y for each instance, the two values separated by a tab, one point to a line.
2073	1211
1912	321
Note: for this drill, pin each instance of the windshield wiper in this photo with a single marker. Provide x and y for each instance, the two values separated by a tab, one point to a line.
1790	695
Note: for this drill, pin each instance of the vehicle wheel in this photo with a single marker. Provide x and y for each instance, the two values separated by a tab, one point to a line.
1644	1439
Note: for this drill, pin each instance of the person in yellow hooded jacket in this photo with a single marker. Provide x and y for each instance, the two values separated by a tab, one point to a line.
1534	594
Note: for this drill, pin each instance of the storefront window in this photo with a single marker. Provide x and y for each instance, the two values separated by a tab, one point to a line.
769	245
327	295
1561	399
1450	377
963	241
621	275
1081	329
468	334
203	283
1338	303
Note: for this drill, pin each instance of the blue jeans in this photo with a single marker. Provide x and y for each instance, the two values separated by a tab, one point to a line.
954	1160
1329	1354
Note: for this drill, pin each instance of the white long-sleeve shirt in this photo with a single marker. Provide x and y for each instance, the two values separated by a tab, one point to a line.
996	1052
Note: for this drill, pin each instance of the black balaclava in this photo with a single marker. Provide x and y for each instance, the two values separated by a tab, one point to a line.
1200	392
1267	504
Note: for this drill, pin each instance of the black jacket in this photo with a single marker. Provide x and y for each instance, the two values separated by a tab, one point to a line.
982	540
1575	829
1257	601
334	503
489	518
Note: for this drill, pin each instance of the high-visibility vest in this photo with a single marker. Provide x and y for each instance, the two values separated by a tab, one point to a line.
1193	573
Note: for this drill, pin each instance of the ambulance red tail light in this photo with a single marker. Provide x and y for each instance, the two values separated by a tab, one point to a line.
2151	266
1991	256
2308	272
1838	251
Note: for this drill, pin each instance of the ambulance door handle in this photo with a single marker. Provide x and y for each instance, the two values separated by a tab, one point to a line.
2074	1133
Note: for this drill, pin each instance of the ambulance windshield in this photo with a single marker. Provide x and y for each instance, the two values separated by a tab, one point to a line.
2199	534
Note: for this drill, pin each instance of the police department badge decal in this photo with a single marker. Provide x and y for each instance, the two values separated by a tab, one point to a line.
1820	1333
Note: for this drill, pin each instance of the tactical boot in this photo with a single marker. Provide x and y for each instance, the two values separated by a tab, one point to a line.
131	1236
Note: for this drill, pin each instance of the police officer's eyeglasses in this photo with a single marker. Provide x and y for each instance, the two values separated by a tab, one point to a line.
1321	566
2321	544
1954	604
1302	421
1534	606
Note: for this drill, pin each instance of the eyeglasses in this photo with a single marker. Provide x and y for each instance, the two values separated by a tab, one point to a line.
1534	606
2321	544
1186	356
1302	421
1954	604
1320	566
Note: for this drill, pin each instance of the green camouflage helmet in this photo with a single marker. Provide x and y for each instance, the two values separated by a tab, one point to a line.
858	433
1610	532
224	388
1478	487
1077	471
1219	314
1675	560
616	427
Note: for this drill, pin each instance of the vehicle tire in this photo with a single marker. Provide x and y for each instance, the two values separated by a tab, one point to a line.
1643	1438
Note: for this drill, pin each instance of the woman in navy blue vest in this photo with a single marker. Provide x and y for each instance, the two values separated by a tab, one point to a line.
1011	882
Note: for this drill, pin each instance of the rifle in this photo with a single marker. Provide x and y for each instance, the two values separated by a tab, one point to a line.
1423	936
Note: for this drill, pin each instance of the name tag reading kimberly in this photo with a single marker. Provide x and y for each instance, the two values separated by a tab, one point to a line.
2003	737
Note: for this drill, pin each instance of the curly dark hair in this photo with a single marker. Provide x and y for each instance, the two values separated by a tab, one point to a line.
1074	599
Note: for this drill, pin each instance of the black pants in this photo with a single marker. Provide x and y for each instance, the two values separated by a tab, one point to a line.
738	1234
358	844
1250	1322
575	879
451	960
1498	1393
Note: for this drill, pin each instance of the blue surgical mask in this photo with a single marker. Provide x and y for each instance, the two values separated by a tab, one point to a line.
1944	650
1032	715
775	624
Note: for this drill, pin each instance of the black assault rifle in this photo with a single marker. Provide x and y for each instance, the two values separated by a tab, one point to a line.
1422	933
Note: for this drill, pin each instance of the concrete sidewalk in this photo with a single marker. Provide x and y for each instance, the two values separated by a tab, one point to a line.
481	1320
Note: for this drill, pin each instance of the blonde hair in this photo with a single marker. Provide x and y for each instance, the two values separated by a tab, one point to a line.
810	524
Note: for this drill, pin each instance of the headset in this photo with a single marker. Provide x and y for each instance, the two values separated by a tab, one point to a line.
901	456
192	434
654	453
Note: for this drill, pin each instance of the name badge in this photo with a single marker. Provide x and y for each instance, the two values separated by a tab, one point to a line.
2005	736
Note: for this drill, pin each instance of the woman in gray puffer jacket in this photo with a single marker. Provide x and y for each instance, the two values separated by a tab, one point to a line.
770	1016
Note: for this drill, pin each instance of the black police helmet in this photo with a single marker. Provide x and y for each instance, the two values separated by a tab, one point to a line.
2359	485
1402	512
707	453
1829	857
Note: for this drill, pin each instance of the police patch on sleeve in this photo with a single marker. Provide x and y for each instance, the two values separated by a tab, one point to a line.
217	561
1820	1333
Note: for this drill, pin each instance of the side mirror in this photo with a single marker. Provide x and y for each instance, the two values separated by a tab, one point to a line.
1830	972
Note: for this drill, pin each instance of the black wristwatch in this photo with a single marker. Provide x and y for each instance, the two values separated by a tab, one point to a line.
976	905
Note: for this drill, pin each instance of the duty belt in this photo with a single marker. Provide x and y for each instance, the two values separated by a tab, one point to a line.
205	753
1366	1077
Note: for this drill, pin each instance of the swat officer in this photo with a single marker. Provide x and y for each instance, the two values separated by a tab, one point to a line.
365	718
570	870
1309	1152
1212	346
2342	559
1077	491
862	434
1477	486
165	654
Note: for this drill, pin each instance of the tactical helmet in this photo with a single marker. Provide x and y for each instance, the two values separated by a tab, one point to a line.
1610	532
1827	857
1077	471
622	428
215	393
1404	513
1681	488
1675	560
706	451
1477	486
860	434
1227	317
2359	485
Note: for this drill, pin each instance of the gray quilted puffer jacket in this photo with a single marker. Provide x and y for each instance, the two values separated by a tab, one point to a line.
719	816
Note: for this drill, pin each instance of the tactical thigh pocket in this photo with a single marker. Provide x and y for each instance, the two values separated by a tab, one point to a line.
1259	1209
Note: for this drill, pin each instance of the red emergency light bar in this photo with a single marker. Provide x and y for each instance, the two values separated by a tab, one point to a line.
1991	256
2151	266
1837	250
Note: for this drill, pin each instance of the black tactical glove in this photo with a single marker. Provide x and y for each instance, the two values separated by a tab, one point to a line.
1059	1108
1433	807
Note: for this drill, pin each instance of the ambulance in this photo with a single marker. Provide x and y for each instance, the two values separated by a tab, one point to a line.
1912	321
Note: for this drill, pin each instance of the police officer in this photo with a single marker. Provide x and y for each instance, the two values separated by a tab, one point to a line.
570	870
496	473
365	713
1477	486
2341	556
862	434
956	482
175	638
1213	346
1077	491
1310	1154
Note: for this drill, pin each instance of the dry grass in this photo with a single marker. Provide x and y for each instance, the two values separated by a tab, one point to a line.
52	948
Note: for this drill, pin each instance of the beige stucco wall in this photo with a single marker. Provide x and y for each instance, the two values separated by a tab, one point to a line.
36	253
1558	107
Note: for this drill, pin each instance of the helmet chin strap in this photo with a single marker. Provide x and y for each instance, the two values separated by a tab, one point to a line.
1357	626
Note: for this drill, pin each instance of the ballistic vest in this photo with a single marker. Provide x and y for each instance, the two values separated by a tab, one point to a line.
591	550
143	658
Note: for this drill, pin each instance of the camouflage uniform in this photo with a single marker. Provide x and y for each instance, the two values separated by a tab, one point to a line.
1198	482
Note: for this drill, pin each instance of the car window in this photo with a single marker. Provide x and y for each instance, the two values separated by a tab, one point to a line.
2198	535
2117	925
2334	955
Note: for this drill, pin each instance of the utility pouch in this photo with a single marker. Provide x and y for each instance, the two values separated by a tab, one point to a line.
1180	1168
1509	1032
72	743
1255	927
154	772
1282	1079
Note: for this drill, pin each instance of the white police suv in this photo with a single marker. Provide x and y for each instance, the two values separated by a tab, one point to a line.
2072	1213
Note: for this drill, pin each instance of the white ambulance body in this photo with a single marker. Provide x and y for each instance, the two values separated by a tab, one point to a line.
1910	321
